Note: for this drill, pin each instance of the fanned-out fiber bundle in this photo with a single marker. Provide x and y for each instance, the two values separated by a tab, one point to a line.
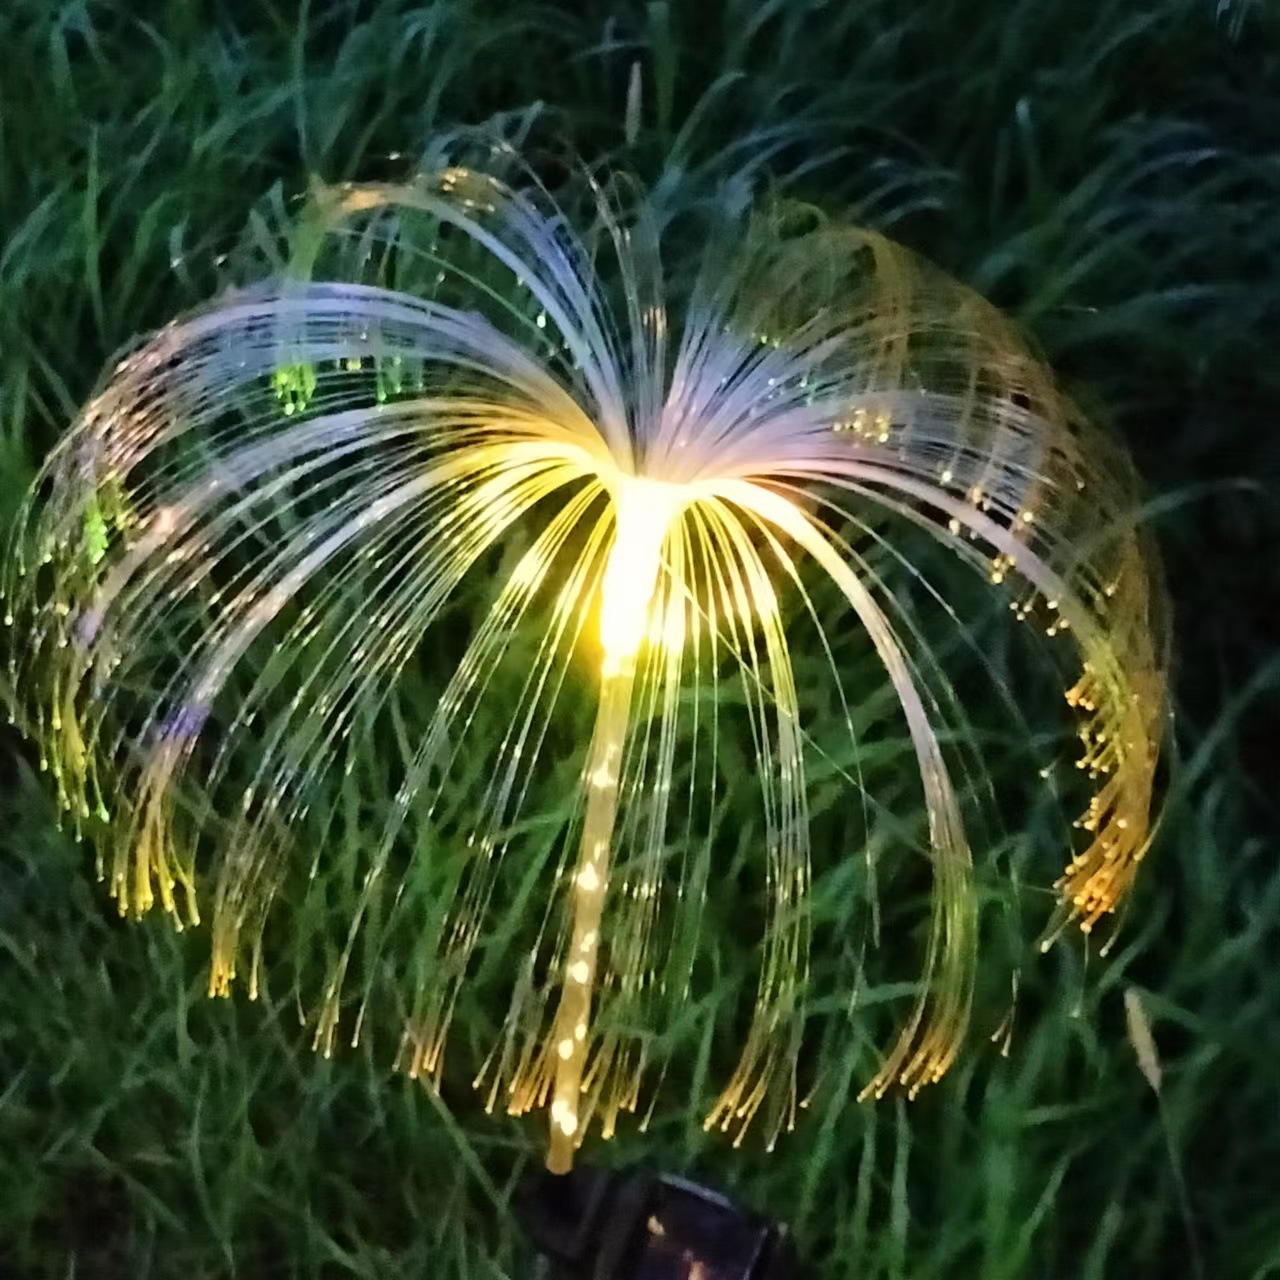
229	565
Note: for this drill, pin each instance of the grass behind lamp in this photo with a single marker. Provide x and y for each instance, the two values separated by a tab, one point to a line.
231	560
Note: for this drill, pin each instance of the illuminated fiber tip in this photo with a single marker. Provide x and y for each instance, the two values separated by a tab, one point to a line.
229	577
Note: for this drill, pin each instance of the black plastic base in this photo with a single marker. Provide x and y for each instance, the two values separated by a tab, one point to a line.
597	1224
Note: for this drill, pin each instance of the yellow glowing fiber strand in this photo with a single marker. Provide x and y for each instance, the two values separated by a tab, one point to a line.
232	567
643	511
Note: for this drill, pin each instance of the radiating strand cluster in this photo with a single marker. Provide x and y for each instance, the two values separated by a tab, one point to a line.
236	562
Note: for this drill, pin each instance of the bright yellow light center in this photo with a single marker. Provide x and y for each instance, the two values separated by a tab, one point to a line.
644	511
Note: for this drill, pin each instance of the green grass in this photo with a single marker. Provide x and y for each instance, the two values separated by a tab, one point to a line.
1108	172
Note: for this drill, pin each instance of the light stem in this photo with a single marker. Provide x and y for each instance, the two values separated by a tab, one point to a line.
643	510
590	883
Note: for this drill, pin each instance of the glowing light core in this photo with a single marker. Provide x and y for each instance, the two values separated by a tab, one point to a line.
644	511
